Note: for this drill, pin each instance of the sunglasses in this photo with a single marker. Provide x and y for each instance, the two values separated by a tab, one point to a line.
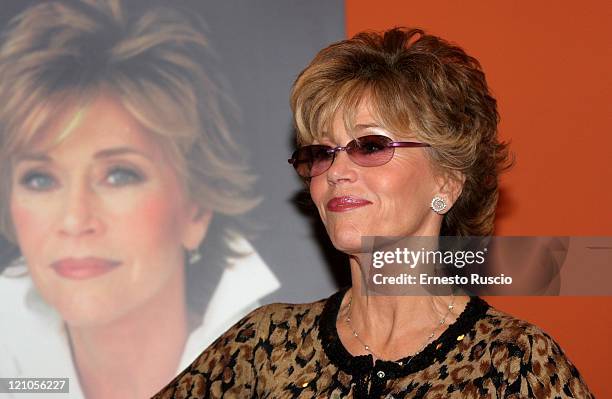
373	150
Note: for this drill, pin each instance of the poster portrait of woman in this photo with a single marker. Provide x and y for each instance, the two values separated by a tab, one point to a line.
125	194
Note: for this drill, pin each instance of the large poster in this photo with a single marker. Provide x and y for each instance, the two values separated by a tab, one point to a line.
147	199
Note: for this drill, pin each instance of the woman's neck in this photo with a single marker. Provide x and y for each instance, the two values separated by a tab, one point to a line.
139	353
394	326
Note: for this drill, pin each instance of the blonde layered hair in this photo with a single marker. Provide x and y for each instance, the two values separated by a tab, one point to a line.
417	85
61	54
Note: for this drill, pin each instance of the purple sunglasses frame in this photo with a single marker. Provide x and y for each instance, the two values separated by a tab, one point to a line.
350	144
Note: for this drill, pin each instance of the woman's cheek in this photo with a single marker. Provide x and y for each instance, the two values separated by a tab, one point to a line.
151	218
317	191
31	221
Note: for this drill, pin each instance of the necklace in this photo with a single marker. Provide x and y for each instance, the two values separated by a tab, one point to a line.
427	341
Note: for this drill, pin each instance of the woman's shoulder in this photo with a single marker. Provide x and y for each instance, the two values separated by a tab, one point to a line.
503	327
266	317
293	311
519	348
283	315
250	341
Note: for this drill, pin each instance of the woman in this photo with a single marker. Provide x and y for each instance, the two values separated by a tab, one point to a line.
119	174
397	136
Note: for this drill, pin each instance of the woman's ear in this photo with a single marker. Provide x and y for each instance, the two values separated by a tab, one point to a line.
196	226
450	186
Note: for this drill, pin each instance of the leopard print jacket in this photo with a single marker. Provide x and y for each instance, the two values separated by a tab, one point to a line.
293	351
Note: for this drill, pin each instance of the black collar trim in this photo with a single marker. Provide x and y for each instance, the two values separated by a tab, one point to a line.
475	310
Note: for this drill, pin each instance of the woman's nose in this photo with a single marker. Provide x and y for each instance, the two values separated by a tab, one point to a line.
342	170
80	212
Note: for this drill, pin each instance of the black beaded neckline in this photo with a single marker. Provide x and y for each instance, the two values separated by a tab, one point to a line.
359	365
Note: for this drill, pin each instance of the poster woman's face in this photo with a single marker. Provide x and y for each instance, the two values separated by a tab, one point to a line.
101	217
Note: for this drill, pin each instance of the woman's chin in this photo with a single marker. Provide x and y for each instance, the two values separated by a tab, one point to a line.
90	308
349	242
89	315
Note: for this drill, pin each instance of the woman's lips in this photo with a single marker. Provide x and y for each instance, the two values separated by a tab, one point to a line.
346	203
83	268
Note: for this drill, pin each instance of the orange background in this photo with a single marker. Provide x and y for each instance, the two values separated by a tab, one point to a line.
548	64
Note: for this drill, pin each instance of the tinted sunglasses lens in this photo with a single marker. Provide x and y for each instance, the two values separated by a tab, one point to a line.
371	150
312	160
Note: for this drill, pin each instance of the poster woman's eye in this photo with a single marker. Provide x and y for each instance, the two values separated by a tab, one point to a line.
38	181
122	176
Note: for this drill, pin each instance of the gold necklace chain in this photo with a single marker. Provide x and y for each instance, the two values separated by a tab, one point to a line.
427	342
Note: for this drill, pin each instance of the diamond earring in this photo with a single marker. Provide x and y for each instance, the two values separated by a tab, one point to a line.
438	204
194	256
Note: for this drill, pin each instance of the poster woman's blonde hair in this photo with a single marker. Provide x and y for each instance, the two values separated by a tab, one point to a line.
59	55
